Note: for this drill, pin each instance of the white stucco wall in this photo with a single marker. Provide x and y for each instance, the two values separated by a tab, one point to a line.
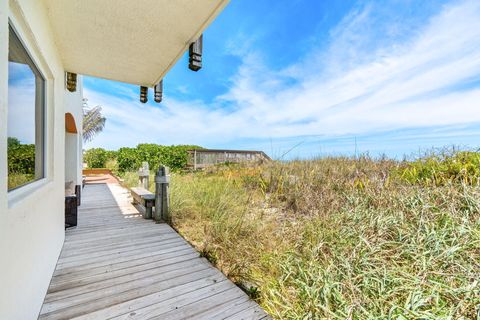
31	217
72	167
73	142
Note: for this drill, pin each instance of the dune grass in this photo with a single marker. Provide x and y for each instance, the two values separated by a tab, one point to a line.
340	238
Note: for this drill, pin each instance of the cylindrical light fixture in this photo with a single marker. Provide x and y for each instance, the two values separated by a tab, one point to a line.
143	94
195	54
158	89
71	81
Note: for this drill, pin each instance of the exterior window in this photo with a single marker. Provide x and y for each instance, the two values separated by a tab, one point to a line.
26	116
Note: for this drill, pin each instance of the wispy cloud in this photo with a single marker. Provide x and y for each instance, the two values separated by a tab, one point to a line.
358	84
21	103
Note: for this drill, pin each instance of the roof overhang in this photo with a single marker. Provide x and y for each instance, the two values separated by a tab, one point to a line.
130	41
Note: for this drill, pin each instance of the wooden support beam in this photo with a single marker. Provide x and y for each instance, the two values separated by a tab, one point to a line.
195	54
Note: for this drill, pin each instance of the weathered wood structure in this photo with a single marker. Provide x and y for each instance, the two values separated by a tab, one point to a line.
162	180
144	199
144	176
116	264
202	158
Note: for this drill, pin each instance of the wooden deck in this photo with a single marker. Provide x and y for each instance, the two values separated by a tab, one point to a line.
117	265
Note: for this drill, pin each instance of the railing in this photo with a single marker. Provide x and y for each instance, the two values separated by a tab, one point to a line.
202	158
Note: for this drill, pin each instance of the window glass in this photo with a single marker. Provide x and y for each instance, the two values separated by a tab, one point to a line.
26	113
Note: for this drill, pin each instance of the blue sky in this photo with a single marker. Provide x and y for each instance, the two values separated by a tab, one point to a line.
324	77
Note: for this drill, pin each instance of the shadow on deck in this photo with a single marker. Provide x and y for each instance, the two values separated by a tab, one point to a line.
116	265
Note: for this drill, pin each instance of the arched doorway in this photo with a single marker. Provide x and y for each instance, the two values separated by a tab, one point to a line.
73	165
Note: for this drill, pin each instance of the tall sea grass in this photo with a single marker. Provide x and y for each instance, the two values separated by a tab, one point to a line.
341	238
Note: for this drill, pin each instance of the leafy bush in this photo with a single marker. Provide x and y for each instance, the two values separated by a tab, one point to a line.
21	158
18	179
174	157
21	162
98	157
112	165
95	157
128	159
111	154
151	153
445	167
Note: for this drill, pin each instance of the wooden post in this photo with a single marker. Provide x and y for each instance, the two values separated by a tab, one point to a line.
162	179
195	159
149	203
144	176
146	181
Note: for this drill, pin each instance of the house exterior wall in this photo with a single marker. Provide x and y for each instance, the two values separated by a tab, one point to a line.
72	169
31	217
74	142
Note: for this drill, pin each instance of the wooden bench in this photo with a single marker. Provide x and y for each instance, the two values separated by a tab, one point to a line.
144	198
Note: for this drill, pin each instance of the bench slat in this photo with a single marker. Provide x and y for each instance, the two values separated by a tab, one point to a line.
144	198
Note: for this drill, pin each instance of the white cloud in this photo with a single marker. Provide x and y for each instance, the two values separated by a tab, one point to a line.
345	89
21	107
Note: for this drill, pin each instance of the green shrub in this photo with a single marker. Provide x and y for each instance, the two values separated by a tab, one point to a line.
174	157
95	157
111	155
151	153
128	159
19	179
21	163
112	165
21	158
442	168
98	157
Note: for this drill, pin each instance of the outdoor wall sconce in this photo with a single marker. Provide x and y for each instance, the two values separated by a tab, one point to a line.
143	94
195	54
158	89
71	81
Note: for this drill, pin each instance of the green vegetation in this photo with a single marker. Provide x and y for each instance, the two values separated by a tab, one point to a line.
130	159
21	162
444	168
19	179
21	157
97	157
93	121
175	157
342	238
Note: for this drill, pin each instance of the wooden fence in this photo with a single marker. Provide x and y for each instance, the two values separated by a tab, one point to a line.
199	159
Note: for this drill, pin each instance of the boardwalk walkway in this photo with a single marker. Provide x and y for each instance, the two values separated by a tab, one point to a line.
116	265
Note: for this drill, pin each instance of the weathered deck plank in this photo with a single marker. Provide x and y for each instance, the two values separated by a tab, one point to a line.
117	265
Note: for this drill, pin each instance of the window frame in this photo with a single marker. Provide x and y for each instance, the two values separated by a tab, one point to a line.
30	46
